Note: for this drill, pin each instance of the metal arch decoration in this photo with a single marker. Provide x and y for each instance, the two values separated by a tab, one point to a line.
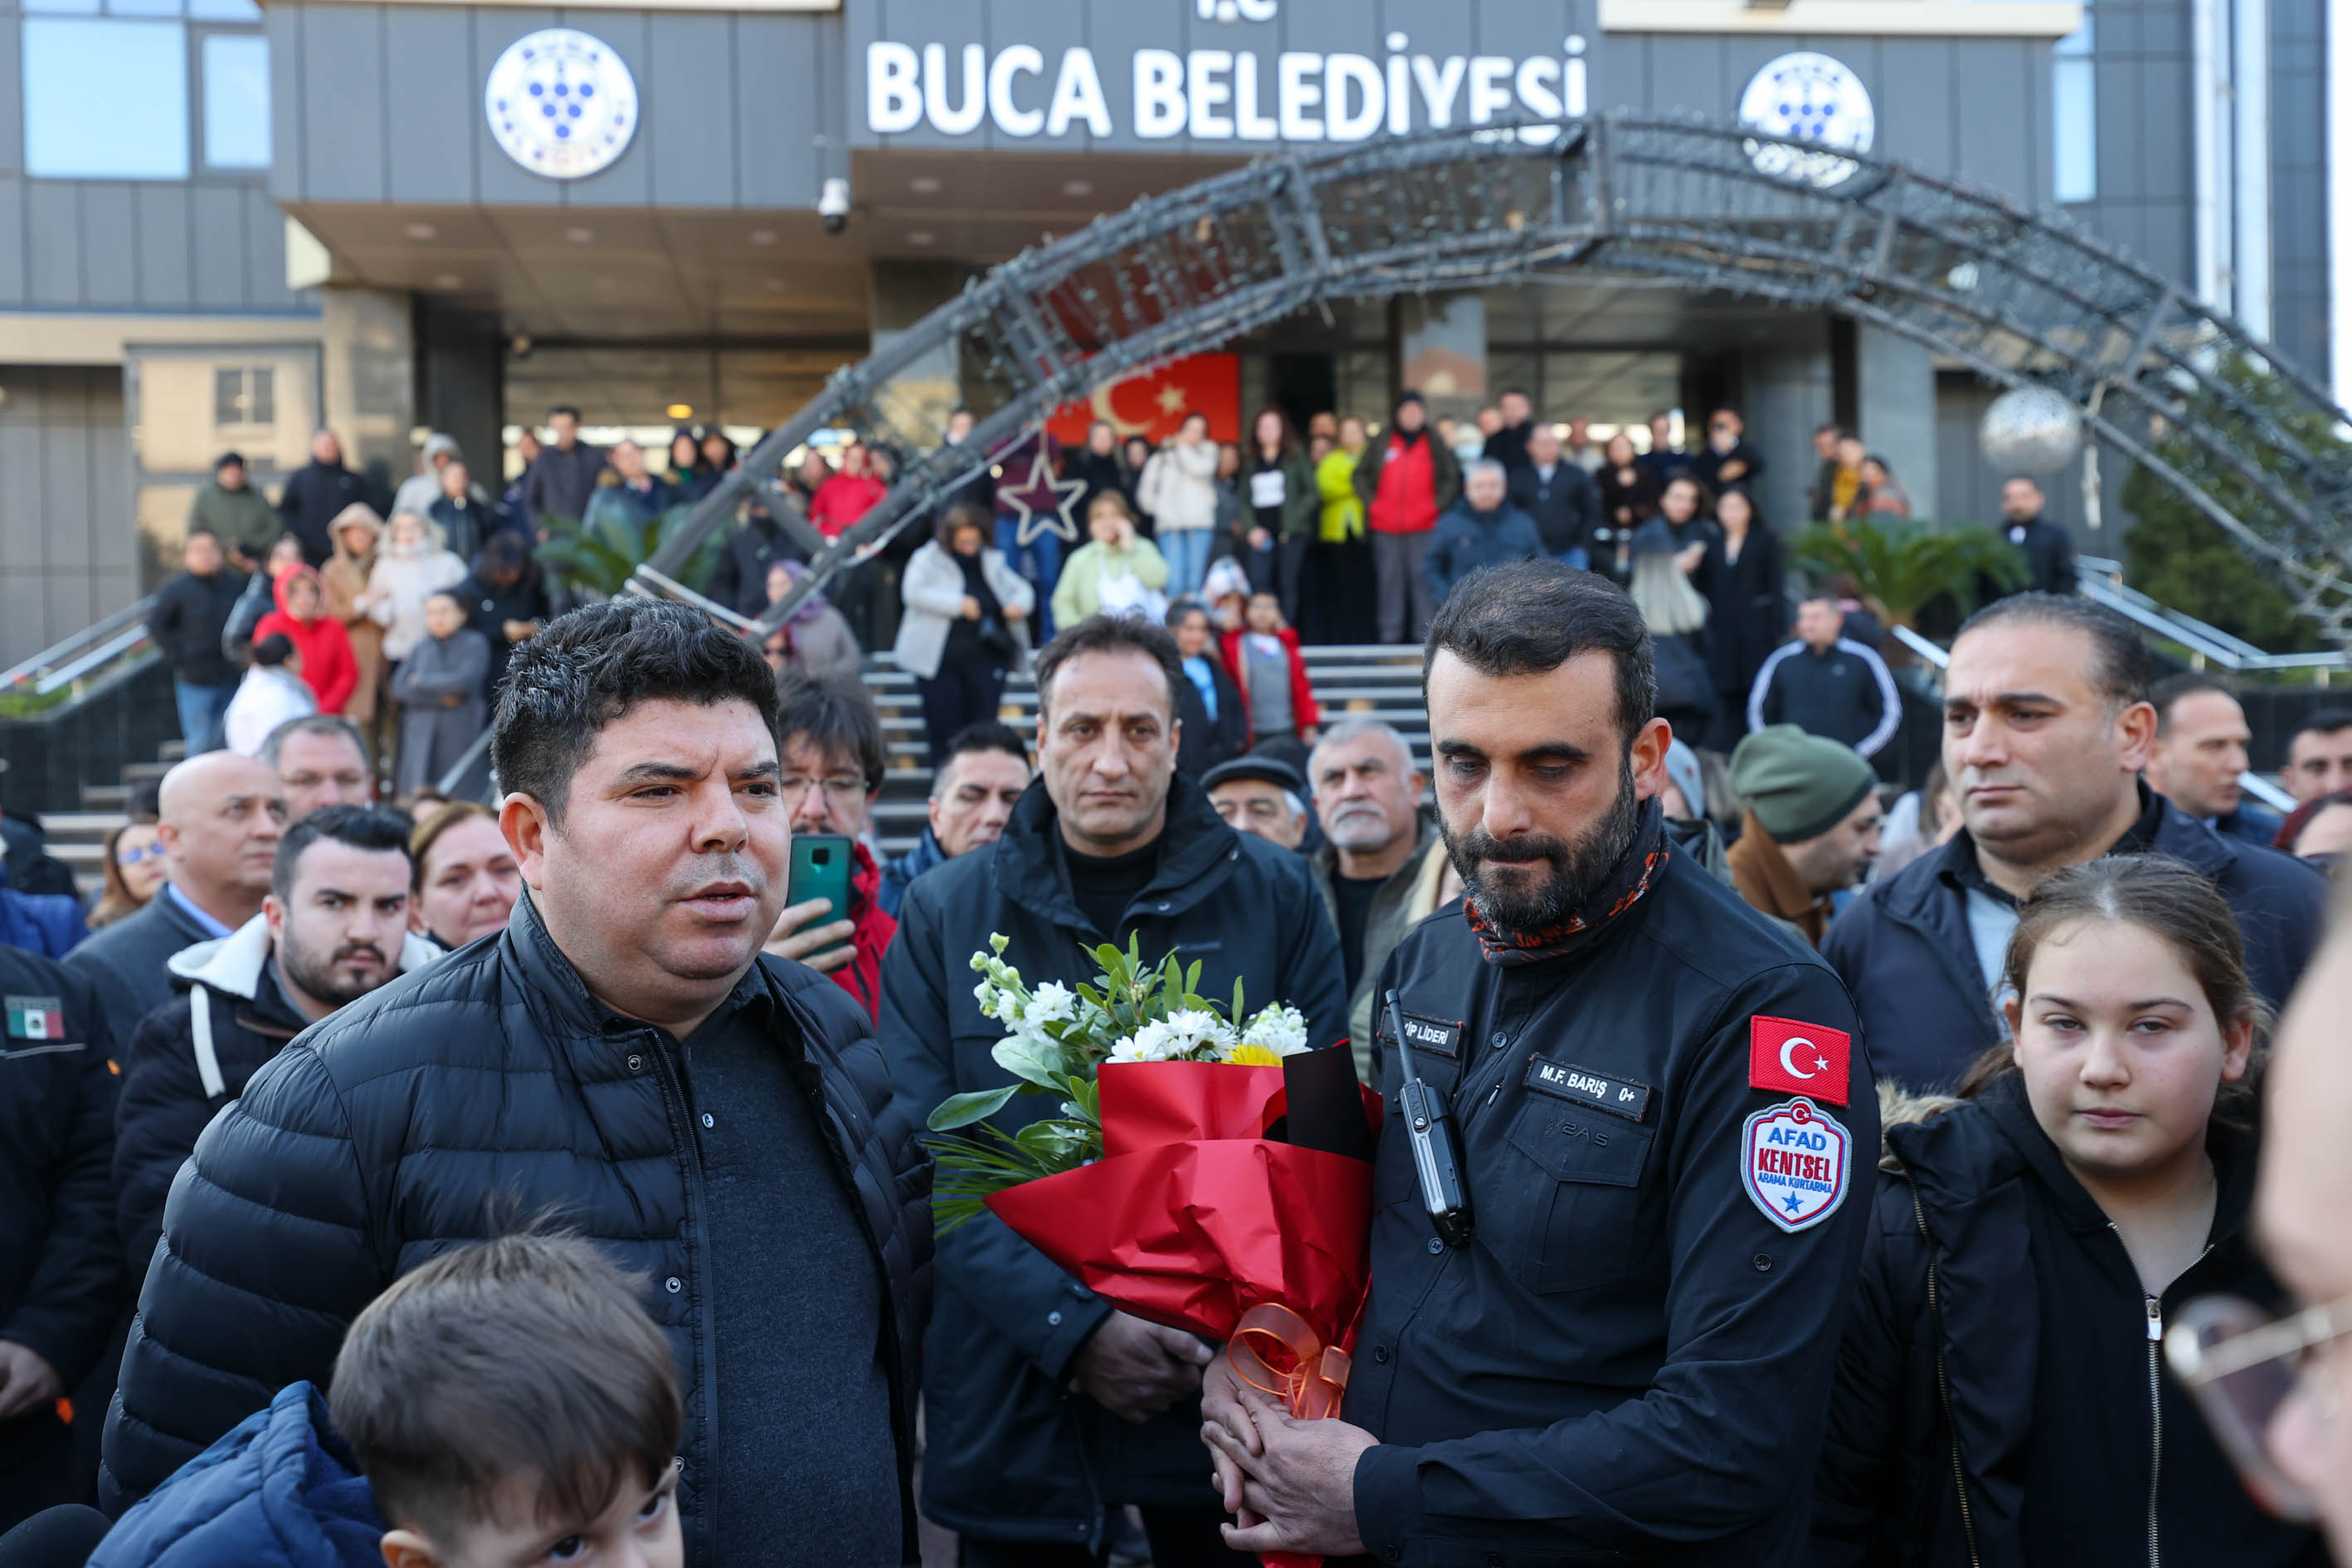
2021	298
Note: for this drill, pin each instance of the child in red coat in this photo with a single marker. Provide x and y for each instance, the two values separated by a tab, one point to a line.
328	667
1263	658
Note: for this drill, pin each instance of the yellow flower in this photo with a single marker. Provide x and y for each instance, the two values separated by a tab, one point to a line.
1252	1057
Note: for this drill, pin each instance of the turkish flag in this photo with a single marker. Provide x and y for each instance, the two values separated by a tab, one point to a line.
1810	1060
1153	405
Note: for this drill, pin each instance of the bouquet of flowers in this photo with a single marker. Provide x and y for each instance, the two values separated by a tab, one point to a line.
1207	1171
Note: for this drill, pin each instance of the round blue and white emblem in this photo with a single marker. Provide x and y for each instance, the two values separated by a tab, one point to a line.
561	103
1808	97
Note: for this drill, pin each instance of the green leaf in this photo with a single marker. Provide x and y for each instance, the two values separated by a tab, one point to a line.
1030	1059
963	1109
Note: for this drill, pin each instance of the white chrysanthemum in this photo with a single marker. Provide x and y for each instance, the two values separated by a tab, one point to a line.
1197	1036
1279	1029
1052	1003
1151	1043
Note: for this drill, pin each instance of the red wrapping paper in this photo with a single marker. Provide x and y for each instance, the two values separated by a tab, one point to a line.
1193	1216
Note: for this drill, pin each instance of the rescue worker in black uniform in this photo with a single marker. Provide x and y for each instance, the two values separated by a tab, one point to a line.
1666	1132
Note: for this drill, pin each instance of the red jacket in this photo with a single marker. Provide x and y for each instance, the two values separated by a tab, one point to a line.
1406	501
1303	710
842	500
862	976
329	669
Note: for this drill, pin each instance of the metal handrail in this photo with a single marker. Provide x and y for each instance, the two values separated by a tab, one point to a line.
72	650
2100	584
105	653
450	783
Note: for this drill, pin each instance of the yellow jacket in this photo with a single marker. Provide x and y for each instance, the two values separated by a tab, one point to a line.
1343	510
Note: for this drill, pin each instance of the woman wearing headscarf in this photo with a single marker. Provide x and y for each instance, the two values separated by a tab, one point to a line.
815	638
355	530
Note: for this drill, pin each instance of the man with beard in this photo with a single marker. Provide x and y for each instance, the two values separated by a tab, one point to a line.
333	928
1666	1133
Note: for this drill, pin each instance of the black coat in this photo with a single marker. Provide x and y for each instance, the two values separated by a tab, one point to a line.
29	867
2049	551
1906	952
123	963
1010	1455
738	579
1205	741
1980	1196
1508	446
1748	609
1564	507
429	1113
166	1100
1844	693
1100	474
1707	464
488	608
314	494
1629	1363
188	617
61	1284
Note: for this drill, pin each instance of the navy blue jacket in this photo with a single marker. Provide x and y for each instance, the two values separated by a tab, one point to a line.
2250	824
281	1490
1629	1363
1904	949
898	874
1011	1455
1466	539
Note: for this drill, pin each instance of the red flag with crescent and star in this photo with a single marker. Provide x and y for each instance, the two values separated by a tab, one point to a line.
1154	404
1794	1058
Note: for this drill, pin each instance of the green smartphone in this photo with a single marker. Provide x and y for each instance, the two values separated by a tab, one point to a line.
822	865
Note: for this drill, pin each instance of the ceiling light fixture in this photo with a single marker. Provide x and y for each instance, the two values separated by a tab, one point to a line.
680	411
579	236
924	186
422	231
1078	187
446	280
763	236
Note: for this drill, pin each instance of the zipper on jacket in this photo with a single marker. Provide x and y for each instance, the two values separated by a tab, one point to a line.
1944	1386
2155	1422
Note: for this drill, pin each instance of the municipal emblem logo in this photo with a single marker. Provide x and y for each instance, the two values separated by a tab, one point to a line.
1808	97
1795	1160
1236	10
36	1018
561	103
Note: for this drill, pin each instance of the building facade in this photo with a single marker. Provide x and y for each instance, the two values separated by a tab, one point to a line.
221	226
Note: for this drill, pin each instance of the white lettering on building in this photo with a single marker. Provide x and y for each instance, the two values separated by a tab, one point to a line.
1217	95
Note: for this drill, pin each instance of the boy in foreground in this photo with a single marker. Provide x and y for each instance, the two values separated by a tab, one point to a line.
507	1404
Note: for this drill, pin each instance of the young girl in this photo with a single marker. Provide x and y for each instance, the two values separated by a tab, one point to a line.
1264	660
1999	1399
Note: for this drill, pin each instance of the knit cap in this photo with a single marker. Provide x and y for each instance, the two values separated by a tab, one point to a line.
1799	786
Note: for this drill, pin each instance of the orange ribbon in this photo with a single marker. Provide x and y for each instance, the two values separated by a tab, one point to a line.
1276	1351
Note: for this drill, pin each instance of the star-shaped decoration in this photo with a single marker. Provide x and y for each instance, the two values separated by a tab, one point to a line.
1793	1203
1033	522
1171	399
1821	1062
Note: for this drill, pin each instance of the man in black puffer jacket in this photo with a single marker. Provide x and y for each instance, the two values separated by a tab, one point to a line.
1044	1404
621	1060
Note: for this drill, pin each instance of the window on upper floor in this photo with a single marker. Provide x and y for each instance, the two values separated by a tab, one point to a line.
2075	117
106	98
237	101
109	95
245	396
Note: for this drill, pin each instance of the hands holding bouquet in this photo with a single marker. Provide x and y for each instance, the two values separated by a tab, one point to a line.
1208	1173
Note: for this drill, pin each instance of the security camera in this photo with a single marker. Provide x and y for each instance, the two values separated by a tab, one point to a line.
833	205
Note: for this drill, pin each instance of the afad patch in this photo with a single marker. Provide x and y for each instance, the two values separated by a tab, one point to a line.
1796	1162
1794	1058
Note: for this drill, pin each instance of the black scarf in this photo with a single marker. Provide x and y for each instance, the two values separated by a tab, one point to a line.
1621	892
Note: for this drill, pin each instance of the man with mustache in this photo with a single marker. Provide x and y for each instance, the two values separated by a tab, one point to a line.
1047	1409
333	927
1380	866
620	1060
2047	726
1666	1130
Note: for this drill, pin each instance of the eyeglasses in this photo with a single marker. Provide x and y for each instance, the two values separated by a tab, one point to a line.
2245	1368
137	853
847	789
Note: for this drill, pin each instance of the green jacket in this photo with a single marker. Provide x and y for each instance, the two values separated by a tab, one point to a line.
243	520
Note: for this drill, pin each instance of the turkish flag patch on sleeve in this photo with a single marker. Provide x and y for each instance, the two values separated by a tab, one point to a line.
1810	1060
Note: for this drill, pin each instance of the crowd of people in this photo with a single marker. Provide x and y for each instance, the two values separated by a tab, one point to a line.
1859	1175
